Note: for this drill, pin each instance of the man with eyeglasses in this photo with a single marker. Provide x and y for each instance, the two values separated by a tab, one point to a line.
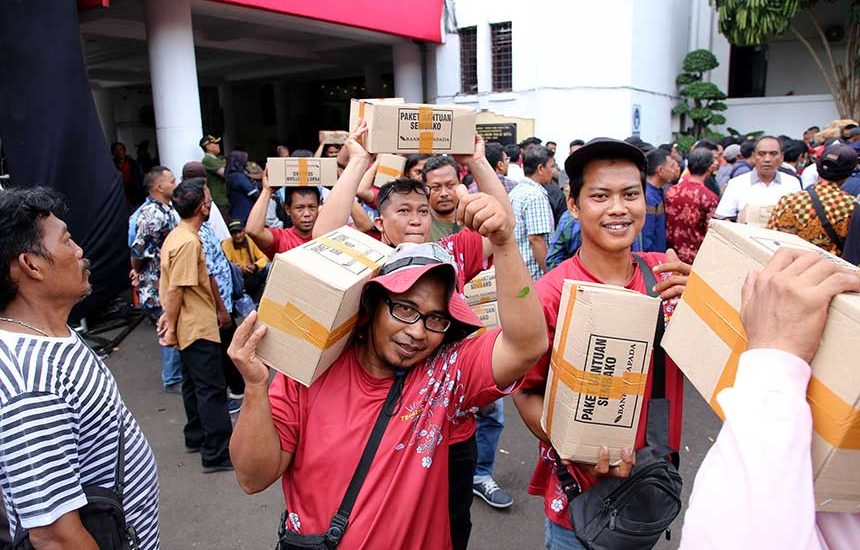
190	322
764	185
404	217
411	342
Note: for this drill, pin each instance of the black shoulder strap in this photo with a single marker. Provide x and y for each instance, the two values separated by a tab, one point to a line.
338	524
658	386
825	222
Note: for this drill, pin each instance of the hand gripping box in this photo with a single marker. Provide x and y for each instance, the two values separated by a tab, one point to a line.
415	127
705	338
390	168
301	171
599	367
311	301
482	288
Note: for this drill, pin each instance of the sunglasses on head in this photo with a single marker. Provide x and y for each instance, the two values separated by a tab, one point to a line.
401	187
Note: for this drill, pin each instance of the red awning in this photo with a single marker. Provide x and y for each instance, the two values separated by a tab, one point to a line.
90	4
418	19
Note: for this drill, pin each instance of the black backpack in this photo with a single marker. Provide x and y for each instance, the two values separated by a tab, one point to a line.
633	513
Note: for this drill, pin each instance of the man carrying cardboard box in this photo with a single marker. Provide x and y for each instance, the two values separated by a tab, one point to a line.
409	361
607	179
759	471
404	216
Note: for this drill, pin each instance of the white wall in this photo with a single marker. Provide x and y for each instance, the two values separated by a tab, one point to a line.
790	115
791	68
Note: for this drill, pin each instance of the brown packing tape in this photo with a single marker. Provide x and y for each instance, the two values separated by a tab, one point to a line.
393	172
351	252
835	420
425	133
293	321
303	171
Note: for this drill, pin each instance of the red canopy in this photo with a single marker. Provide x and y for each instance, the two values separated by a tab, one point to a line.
418	19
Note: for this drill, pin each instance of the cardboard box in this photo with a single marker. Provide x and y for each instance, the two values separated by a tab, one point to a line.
299	172
755	214
390	168
488	313
333	137
482	288
415	127
599	367
311	301
705	338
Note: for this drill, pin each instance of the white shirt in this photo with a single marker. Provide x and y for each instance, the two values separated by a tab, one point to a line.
749	189
810	175
515	172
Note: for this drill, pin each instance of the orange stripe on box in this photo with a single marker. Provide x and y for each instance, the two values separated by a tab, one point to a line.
293	321
557	355
351	252
303	171
589	383
388	171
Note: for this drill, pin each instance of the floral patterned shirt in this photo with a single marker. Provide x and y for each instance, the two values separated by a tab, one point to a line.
403	501
217	264
795	214
689	206
154	221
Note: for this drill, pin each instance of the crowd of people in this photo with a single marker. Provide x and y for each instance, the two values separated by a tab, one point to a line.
409	417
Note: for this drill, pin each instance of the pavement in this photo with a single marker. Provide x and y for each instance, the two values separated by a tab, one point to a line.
211	511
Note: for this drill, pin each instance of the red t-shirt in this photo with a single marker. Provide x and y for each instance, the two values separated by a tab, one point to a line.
467	248
403	501
283	240
544	480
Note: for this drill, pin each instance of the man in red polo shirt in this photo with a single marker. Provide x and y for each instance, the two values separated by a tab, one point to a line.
413	335
404	217
607	179
301	203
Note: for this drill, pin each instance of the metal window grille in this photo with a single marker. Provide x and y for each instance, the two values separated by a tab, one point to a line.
502	65
469	60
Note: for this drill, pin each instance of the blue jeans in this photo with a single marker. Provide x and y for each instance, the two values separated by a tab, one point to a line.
171	362
557	537
487	436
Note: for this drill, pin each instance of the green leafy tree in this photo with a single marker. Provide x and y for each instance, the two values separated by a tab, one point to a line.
751	22
702	102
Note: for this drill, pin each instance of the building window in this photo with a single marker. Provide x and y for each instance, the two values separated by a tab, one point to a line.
502	65
469	60
747	71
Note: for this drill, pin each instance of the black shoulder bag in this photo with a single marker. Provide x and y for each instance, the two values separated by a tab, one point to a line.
825	222
288	540
102	516
633	513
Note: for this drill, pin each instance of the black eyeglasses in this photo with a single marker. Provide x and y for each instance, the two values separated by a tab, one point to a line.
403	186
409	315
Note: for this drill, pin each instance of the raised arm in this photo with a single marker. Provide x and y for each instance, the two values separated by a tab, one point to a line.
523	337
485	176
338	204
256	225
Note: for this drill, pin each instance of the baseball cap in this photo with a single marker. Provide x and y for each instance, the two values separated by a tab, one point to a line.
193	169
235	226
207	139
837	162
603	147
732	152
411	261
854	131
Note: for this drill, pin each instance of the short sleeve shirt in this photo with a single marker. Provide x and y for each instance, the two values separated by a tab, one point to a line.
749	189
60	411
183	265
154	222
533	216
689	206
544	481
283	240
403	502
217	264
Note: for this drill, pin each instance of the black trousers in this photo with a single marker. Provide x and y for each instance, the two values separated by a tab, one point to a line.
235	382
461	467
204	394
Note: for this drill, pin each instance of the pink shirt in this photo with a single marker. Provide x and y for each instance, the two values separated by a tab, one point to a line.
403	503
755	489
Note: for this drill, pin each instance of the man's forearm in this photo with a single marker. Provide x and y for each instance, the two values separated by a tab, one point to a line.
66	532
538	246
138	264
171	305
530	407
256	223
339	203
255	447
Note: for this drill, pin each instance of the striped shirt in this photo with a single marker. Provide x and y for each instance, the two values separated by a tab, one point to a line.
533	216
59	420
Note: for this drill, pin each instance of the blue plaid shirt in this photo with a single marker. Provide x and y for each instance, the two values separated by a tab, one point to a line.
568	238
533	216
654	230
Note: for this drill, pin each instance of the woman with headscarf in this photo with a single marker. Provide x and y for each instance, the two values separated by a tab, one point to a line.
241	189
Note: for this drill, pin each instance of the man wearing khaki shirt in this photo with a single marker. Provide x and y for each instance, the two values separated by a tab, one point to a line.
190	322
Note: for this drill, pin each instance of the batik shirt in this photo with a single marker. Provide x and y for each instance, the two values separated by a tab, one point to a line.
217	264
796	214
689	206
154	222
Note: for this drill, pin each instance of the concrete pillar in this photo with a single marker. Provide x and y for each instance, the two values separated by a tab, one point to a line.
484	47
408	77
225	100
373	80
282	114
103	98
173	73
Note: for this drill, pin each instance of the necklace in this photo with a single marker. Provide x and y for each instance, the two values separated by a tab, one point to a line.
23	324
